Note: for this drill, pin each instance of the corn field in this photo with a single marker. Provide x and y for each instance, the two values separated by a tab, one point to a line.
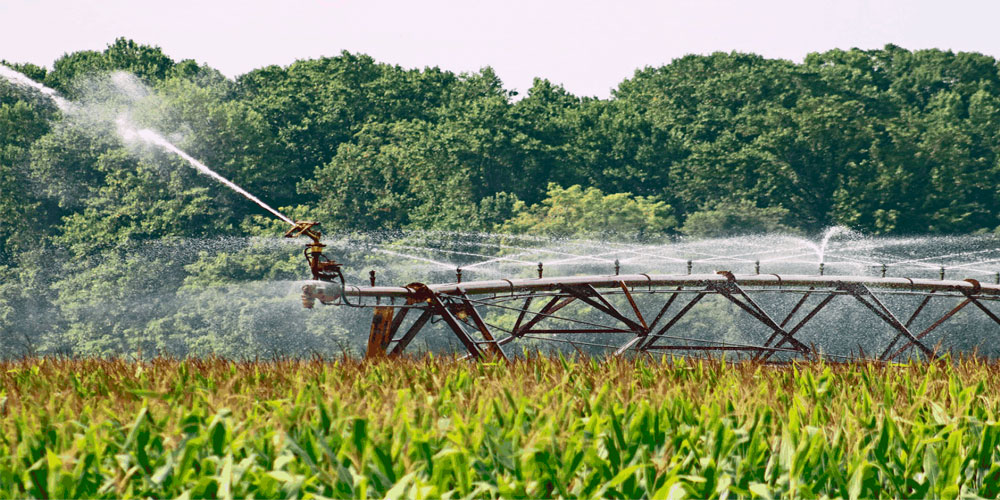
540	427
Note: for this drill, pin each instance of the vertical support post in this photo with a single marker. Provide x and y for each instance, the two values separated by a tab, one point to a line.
380	334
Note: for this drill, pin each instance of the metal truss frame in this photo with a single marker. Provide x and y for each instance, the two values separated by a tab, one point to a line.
465	307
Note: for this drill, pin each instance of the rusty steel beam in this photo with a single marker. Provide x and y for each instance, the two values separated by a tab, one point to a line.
407	337
483	330
826	300
524	310
380	334
673	321
464	314
985	310
550	308
670	280
756	311
635	309
587	294
909	322
666	306
795	309
441	309
861	291
924	333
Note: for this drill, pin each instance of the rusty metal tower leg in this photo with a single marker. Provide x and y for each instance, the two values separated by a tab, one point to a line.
988	312
524	310
588	293
641	335
970	298
380	334
795	309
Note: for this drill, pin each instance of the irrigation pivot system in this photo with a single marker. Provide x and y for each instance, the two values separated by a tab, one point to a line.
607	311
638	313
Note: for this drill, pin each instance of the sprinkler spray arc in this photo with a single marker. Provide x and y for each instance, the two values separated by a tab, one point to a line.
328	285
611	302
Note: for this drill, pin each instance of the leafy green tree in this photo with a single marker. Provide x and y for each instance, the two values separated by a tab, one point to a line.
576	211
735	218
20	227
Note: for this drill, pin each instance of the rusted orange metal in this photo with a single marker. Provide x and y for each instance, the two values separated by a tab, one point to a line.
381	332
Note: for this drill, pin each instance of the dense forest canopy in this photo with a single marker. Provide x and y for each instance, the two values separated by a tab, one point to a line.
886	141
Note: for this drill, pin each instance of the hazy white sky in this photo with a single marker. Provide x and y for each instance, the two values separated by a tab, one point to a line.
587	46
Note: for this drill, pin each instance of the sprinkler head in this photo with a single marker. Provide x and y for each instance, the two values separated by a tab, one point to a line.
323	268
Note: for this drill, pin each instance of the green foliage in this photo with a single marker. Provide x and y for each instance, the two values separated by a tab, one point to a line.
575	211
886	141
147	62
544	427
728	219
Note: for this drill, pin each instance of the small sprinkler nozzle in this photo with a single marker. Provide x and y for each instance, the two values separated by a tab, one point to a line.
458	275
322	267
371	276
689	266
618	267
539	270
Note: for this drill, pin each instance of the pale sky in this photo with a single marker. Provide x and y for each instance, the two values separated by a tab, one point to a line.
587	46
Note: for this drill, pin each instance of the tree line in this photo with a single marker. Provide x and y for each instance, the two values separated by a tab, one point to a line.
887	141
